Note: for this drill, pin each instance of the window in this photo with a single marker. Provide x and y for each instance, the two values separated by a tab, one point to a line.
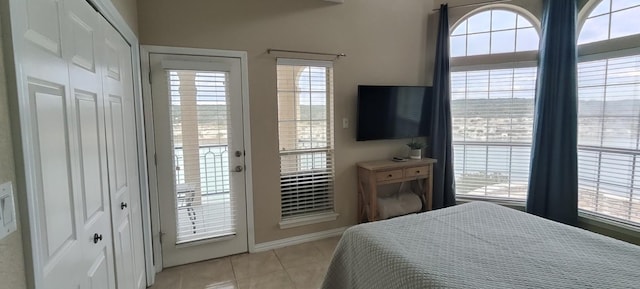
611	19
609	114
492	32
305	113
492	103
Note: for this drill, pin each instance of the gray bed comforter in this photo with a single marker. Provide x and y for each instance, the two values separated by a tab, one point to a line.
479	245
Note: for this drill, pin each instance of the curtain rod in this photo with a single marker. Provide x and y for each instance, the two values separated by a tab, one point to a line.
476	4
338	55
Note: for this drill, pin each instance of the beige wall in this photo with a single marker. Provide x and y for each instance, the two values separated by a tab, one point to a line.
129	11
385	42
12	274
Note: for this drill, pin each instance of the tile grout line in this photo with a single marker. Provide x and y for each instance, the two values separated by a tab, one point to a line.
233	269
286	271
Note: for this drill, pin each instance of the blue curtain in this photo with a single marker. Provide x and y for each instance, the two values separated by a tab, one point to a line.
553	184
444	192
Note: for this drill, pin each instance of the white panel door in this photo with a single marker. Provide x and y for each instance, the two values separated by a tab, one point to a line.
197	107
77	119
59	58
123	162
83	30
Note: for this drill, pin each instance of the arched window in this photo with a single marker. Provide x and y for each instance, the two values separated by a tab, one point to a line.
492	102
493	31
609	111
611	19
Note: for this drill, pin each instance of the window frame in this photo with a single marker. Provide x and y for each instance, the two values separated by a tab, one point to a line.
625	46
497	58
601	46
300	219
509	60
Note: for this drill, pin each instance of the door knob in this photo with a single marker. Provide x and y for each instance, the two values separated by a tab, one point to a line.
123	205
239	169
97	238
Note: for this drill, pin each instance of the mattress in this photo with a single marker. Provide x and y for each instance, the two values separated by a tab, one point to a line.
479	245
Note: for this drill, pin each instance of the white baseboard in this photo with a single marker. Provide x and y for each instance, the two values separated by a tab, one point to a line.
297	240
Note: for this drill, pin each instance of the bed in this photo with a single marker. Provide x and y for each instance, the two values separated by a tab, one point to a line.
479	245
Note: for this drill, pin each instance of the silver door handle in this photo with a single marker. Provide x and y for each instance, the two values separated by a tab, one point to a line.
238	169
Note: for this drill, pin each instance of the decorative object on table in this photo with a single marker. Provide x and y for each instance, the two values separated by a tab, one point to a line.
399	159
416	149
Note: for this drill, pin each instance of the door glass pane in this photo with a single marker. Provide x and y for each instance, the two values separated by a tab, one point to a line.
200	132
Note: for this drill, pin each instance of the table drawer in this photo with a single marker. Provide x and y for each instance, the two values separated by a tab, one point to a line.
388	175
416	172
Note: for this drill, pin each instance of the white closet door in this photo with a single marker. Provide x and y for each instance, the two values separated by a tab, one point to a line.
77	126
82	30
59	60
123	162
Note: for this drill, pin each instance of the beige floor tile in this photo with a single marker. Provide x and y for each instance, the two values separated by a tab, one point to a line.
206	274
257	264
223	285
309	276
168	279
276	280
327	246
302	266
299	255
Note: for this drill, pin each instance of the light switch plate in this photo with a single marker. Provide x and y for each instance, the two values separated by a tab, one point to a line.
7	210
345	122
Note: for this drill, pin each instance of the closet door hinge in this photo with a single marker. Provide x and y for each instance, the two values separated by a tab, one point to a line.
162	236
149	77
155	159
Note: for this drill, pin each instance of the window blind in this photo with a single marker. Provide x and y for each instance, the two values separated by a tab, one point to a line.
608	137
492	112
305	114
200	116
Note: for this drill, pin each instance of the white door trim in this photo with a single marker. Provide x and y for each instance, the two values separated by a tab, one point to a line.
146	50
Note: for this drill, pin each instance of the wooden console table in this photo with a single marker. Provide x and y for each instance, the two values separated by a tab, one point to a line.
376	173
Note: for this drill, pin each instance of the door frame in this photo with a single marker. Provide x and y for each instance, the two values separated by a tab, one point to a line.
146	51
20	126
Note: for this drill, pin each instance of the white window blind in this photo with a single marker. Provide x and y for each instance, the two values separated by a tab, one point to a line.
492	113
608	140
305	113
199	124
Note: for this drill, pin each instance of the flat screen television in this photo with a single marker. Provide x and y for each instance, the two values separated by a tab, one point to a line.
392	112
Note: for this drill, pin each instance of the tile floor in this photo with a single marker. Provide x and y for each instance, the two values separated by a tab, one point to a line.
296	267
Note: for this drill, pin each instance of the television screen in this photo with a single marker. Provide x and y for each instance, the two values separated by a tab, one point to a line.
391	112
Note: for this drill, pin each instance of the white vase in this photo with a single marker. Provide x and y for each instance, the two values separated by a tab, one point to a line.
416	154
